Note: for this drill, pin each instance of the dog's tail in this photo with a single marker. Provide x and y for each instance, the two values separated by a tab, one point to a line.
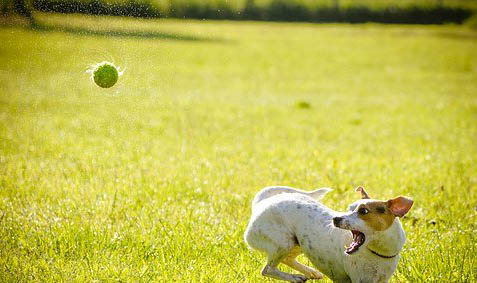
271	191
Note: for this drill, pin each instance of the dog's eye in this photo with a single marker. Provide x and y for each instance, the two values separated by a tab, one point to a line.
363	211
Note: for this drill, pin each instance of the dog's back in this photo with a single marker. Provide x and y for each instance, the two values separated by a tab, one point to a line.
275	190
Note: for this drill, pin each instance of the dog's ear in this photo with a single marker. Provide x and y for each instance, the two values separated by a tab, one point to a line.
400	206
362	191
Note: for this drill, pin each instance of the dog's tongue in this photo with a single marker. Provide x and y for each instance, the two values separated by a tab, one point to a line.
358	240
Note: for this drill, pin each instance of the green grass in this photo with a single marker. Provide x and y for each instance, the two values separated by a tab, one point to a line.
152	180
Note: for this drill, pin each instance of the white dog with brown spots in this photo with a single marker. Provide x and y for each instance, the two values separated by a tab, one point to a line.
286	222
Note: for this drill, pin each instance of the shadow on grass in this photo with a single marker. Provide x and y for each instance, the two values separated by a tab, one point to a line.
121	33
470	35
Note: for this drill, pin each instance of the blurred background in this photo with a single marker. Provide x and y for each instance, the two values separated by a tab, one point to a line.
352	11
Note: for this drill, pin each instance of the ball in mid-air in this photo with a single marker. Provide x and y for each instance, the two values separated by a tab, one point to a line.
105	74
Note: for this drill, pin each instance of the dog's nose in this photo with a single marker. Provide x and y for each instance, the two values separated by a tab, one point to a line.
337	220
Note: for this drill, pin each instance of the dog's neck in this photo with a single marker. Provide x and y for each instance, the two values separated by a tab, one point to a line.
389	242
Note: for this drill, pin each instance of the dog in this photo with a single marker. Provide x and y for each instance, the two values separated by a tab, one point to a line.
287	222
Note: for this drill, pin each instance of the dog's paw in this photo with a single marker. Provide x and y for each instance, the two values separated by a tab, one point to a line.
298	278
314	274
311	273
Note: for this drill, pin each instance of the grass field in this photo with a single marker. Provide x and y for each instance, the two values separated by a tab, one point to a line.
152	180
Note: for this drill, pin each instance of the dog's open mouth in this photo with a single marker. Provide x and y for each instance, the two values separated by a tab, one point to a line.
358	240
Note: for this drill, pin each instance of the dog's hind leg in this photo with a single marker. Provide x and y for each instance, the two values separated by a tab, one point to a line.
276	241
271	270
276	252
291	261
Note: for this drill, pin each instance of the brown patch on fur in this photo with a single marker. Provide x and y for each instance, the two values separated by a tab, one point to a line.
379	216
400	205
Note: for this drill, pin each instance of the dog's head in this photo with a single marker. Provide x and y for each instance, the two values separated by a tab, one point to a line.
368	216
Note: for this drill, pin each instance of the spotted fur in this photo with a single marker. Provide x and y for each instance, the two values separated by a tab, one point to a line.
286	222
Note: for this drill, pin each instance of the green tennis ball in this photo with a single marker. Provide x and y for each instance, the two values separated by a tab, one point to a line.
105	74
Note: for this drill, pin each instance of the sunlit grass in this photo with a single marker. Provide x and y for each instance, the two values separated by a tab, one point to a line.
152	179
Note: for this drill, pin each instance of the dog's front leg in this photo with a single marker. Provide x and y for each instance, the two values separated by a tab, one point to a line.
309	272
291	261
